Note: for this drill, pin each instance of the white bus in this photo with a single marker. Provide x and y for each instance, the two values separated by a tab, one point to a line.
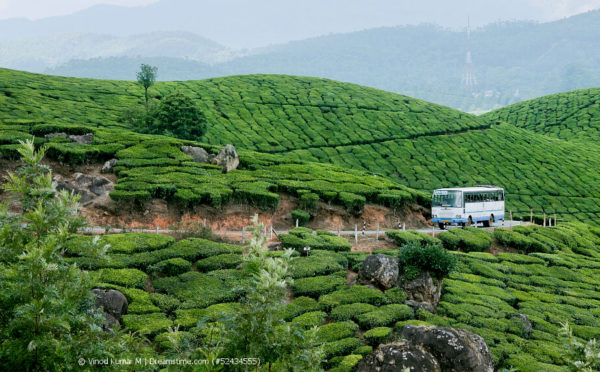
467	205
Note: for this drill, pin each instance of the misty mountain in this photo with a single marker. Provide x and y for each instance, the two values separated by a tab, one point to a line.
38	53
244	24
512	61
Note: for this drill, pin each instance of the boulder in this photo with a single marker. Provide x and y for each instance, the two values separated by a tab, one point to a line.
101	185
423	289
227	158
113	303
399	356
380	270
420	305
86	139
454	349
108	166
82	180
53	135
197	153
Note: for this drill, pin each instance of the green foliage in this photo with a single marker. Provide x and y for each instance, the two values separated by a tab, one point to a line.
308	201
335	331
378	335
580	356
402	238
125	277
385	315
350	311
146	78
309	320
170	267
347	364
299	306
298	238
147	324
467	239
178	116
318	285
521	242
48	320
414	259
301	216
316	264
395	296
340	347
352	295
222	261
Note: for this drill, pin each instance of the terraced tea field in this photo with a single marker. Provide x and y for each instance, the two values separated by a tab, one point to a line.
419	145
196	279
571	116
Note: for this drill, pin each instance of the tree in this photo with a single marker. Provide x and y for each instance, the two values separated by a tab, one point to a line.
47	317
259	330
179	117
146	77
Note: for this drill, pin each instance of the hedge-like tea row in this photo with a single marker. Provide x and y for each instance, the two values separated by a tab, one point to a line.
300	237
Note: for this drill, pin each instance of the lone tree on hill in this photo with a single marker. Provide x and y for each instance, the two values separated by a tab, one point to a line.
146	77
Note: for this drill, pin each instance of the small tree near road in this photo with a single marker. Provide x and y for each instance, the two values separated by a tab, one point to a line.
146	77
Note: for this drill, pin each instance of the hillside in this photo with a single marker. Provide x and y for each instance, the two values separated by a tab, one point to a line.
570	116
513	61
487	294
421	145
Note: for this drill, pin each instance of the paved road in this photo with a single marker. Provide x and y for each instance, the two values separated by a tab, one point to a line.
342	232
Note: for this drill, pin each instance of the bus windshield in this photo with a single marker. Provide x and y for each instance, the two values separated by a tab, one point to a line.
447	198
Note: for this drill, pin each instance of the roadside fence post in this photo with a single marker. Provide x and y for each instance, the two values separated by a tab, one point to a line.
356	233
544	219
297	222
404	226
531	215
377	235
511	220
243	234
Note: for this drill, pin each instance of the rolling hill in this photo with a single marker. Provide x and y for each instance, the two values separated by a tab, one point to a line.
570	116
415	143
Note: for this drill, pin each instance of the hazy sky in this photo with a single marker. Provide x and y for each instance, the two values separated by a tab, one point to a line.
542	10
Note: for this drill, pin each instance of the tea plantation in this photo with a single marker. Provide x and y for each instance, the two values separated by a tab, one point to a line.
571	115
172	283
420	145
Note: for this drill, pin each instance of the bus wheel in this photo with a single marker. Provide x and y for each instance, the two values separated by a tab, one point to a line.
441	225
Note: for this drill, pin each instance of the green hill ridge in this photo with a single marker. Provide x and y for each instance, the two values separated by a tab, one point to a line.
421	145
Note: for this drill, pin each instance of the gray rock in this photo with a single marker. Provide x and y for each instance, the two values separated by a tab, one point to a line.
524	323
423	289
455	350
197	153
397	357
420	305
101	185
86	139
82	180
113	303
227	158
54	135
108	166
380	270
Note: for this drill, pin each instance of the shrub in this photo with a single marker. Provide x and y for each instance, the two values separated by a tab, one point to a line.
350	311
124	277
147	324
189	317
402	238
347	364
222	261
357	293
414	259
395	296
354	203
314	265
309	320
164	343
318	285
299	306
468	239
335	331
170	267
378	335
385	315
308	201
301	237
166	304
363	350
301	216
514	239
340	347
136	242
177	116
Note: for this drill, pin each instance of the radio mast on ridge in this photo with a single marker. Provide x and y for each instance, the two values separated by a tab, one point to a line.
469	81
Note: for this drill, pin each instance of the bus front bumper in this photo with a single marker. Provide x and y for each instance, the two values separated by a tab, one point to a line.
448	220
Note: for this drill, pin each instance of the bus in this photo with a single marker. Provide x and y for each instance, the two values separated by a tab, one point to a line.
467	206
